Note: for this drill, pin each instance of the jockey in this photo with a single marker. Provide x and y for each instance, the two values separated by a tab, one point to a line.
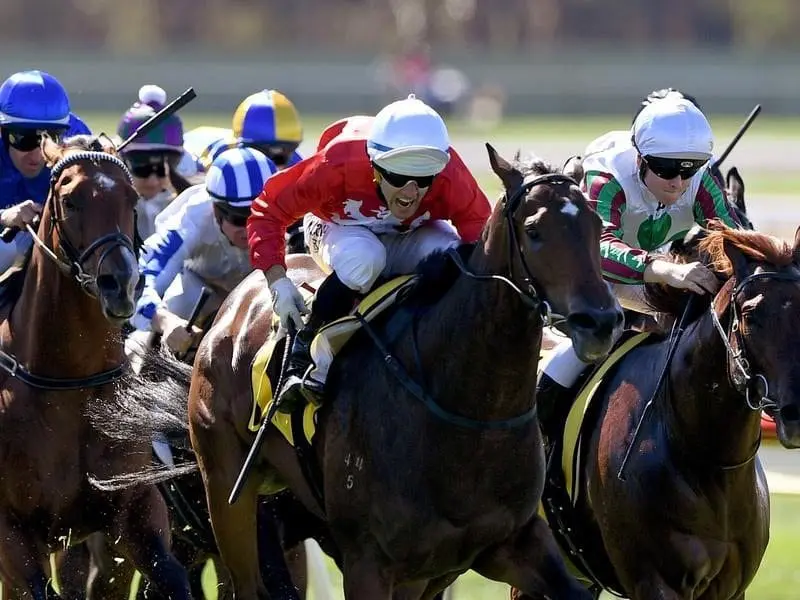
266	121
200	240
378	196
650	189
32	103
77	126
151	157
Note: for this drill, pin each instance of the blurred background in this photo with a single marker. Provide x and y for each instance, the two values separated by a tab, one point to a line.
543	76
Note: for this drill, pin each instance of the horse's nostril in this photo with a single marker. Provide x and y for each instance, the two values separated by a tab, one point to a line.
108	283
582	321
601	322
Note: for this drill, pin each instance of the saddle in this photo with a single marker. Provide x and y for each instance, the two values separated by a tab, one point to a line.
566	454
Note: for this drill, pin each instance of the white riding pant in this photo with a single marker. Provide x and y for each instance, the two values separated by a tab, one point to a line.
359	256
563	365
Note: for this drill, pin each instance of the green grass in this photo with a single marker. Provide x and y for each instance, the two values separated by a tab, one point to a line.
777	579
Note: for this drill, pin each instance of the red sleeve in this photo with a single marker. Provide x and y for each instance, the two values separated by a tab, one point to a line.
286	197
468	206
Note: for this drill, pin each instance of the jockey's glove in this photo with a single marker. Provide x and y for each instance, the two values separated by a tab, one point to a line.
287	302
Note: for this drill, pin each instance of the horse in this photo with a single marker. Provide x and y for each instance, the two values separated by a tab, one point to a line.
61	351
675	502
283	523
417	488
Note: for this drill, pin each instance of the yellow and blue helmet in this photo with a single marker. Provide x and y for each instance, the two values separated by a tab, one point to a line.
267	118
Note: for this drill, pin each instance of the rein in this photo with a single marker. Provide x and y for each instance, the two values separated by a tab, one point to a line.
73	266
531	298
739	370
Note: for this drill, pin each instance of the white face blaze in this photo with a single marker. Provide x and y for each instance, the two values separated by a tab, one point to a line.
569	209
104	181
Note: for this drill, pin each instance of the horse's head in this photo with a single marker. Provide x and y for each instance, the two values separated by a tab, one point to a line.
761	306
549	238
88	222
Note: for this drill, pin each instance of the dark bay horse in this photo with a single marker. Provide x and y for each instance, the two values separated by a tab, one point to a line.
61	351
689	516
414	498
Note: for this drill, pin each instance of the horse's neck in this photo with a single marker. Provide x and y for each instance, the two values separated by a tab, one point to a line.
483	343
707	417
57	329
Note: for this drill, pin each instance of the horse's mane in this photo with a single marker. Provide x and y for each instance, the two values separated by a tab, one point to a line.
532	165
437	272
710	250
53	151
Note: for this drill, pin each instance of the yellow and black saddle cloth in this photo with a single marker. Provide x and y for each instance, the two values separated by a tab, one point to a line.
566	460
333	336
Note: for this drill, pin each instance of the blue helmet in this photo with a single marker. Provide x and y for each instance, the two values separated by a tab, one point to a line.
33	100
77	126
236	177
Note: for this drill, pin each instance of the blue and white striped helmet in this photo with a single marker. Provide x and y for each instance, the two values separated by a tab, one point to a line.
236	177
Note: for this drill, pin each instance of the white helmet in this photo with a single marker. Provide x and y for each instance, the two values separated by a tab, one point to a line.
408	137
673	127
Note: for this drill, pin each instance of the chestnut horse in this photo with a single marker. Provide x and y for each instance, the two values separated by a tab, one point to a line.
687	516
60	352
424	476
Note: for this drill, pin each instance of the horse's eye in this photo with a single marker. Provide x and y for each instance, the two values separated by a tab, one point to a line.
533	234
68	203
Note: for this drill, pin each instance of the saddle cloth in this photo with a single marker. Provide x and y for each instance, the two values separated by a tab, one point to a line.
328	342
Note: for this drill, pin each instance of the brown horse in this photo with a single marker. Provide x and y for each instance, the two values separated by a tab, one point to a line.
687	516
61	351
423	478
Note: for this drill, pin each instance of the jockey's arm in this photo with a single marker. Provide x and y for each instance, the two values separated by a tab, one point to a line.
469	206
286	197
620	262
162	258
710	203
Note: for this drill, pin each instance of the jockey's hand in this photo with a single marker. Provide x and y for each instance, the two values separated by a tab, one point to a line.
287	302
174	332
20	215
694	276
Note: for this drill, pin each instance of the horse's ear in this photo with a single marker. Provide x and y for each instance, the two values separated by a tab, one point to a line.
737	258
574	168
510	176
51	150
735	185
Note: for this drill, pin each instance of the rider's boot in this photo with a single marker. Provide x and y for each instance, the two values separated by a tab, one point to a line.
553	402
333	300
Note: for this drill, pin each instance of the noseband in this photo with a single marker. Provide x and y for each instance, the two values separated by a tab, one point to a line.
74	267
531	295
754	388
74	261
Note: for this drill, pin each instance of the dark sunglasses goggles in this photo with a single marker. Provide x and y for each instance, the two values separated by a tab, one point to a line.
670	168
237	218
27	140
399	181
145	167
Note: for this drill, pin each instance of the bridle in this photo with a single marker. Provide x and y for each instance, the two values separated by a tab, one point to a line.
72	262
530	296
754	387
